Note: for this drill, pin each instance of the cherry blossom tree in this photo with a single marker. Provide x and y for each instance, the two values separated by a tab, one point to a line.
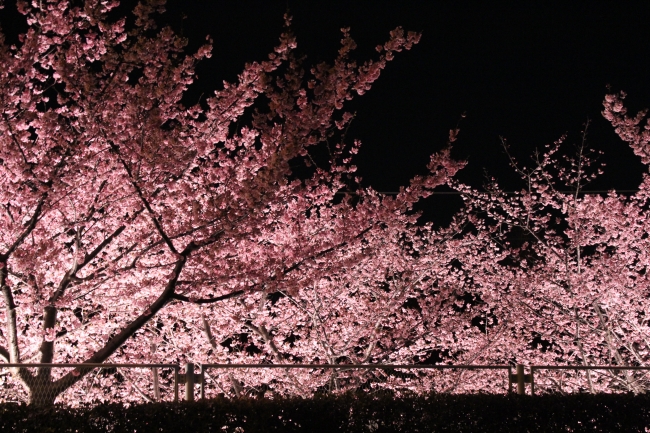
562	274
130	220
396	304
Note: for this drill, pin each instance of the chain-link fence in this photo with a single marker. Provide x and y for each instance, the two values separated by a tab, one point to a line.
128	383
235	380
139	383
575	379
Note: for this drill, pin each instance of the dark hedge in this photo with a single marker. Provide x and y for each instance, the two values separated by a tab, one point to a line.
348	413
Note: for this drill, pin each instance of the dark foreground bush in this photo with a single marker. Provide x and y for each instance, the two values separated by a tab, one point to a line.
348	413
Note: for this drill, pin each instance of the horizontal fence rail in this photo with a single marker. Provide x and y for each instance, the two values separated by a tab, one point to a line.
149	382
160	382
625	382
396	378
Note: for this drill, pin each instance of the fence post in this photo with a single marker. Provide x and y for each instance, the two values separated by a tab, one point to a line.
532	380
510	375
202	382
176	384
154	373
521	385
156	383
189	381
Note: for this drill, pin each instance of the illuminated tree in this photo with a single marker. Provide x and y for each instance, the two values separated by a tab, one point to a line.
562	274
129	219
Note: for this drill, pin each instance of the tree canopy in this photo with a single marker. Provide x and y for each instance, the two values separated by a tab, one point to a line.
138	229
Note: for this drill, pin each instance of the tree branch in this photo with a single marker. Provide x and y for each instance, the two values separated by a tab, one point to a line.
13	354
10	314
100	247
69	276
325	251
118	340
30	226
146	203
208	332
268	339
135	386
47	347
37	213
184	298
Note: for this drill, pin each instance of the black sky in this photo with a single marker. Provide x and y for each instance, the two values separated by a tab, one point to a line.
530	71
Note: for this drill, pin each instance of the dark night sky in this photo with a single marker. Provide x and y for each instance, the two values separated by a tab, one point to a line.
529	71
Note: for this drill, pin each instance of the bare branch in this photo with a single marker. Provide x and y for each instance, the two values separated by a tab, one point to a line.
184	298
